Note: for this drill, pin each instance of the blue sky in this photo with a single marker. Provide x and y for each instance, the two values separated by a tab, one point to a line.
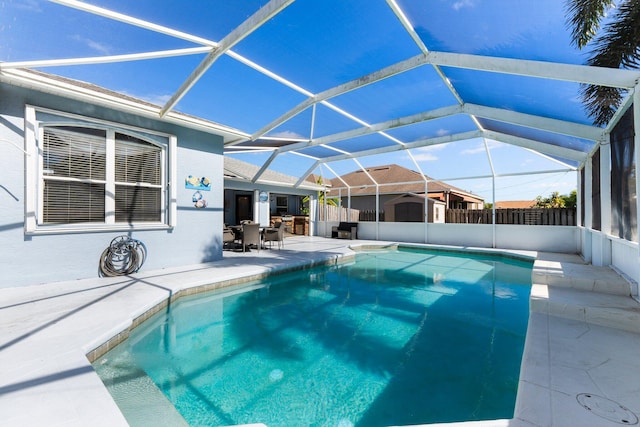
317	45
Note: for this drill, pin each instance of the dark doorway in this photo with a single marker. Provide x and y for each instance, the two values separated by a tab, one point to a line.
244	207
409	212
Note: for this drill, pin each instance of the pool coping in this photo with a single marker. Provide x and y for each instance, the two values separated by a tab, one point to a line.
121	336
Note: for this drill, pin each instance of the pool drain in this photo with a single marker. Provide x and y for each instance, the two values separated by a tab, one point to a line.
607	409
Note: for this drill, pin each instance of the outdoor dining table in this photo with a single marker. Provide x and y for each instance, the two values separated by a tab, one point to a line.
237	231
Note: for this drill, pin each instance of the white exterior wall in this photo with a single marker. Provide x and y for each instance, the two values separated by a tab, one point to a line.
624	257
45	258
520	237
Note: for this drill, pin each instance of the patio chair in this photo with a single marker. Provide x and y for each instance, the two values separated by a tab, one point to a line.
275	234
251	236
228	237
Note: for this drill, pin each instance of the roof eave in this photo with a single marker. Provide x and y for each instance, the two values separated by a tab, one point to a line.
64	87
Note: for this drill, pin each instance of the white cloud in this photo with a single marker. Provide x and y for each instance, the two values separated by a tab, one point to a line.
426	154
287	134
429	148
30	5
480	148
461	4
442	132
425	157
157	99
93	45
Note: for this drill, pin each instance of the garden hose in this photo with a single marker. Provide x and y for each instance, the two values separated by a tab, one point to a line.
123	256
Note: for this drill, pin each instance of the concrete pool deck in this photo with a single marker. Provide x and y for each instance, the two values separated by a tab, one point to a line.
582	347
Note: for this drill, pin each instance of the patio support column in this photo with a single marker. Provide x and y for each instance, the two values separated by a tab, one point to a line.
349	204
579	199
313	216
605	199
493	208
588	207
636	141
377	212
426	211
326	212
340	205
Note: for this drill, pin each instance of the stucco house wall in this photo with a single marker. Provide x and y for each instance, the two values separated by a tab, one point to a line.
31	258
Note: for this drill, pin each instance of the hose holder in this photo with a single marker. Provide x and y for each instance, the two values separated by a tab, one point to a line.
123	256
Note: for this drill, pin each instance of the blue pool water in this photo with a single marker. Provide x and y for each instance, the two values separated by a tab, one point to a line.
397	337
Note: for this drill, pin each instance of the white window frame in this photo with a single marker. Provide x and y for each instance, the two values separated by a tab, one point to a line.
34	130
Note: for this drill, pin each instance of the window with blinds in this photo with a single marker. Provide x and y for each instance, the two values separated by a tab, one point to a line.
73	175
138	191
77	186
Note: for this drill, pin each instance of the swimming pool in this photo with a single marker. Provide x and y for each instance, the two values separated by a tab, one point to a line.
398	337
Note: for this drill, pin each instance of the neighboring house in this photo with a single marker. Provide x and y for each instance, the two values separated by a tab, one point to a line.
82	165
402	190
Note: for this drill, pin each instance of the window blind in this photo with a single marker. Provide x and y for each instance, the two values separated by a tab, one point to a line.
78	153
73	175
137	162
138	180
72	202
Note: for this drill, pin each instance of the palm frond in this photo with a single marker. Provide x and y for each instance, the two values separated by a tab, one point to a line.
619	43
601	102
617	46
584	19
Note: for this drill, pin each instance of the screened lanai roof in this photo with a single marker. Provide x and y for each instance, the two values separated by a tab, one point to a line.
308	86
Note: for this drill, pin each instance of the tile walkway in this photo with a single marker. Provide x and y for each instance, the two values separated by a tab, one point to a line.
574	352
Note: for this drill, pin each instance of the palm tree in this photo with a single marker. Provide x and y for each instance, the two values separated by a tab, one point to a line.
321	199
618	45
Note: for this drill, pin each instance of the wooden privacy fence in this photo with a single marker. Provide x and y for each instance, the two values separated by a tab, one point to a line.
337	213
370	215
533	216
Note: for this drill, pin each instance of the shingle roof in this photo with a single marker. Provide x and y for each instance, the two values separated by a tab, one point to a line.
98	95
408	181
239	170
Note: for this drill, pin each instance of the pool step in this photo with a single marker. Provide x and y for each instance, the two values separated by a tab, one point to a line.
571	289
573	273
612	311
